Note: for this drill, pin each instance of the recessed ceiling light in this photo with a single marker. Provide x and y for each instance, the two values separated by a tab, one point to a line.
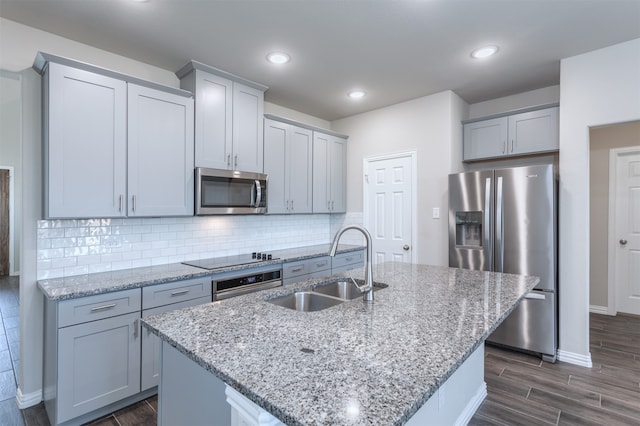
278	58
484	52
356	94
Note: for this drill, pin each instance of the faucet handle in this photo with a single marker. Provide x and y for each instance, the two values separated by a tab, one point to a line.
363	288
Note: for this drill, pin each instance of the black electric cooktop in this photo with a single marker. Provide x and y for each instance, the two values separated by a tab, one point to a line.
225	262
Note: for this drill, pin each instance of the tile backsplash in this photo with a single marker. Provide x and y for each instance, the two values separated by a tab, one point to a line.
83	246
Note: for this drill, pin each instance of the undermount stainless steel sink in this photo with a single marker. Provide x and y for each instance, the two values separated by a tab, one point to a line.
306	301
343	289
322	296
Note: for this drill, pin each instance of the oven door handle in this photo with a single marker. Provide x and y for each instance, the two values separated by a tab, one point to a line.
258	198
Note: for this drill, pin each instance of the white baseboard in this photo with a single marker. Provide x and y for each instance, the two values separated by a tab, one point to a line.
28	400
595	309
473	405
573	358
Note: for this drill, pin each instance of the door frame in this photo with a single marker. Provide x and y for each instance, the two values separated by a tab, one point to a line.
614	154
12	223
413	155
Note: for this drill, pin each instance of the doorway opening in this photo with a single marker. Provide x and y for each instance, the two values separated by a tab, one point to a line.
603	141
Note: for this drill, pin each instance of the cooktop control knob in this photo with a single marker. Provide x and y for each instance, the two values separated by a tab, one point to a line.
269	257
253	255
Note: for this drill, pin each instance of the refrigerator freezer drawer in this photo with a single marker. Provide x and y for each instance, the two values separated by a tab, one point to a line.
531	326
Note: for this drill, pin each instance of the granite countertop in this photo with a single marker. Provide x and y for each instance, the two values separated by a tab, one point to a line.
105	282
354	363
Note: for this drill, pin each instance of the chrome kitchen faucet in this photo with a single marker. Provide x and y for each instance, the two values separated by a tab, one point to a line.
367	288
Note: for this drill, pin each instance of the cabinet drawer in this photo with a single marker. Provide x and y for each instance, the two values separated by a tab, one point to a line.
319	264
350	258
295	269
85	309
174	292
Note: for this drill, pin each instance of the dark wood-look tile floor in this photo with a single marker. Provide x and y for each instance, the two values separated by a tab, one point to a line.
522	389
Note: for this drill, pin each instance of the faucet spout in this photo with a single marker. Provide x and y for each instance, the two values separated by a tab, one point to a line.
367	289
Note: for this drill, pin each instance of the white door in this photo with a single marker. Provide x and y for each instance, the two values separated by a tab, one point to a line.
389	207
627	231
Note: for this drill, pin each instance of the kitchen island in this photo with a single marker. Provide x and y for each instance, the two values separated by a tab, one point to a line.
354	363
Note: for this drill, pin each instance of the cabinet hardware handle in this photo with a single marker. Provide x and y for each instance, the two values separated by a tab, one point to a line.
297	269
120	203
228	160
332	206
133	203
292	205
504	147
348	259
328	205
180	292
318	265
103	307
235	161
511	145
136	327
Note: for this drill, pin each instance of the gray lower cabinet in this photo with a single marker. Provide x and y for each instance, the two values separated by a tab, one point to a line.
92	353
345	261
321	266
301	270
163	298
97	357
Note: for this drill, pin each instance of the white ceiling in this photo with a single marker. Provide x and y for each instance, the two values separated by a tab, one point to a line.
395	50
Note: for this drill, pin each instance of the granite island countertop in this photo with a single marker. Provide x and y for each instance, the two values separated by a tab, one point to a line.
104	282
354	363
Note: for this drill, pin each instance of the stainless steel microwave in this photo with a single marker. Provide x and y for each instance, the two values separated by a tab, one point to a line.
229	192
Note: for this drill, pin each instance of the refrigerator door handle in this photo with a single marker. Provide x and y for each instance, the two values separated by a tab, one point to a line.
536	296
499	226
487	222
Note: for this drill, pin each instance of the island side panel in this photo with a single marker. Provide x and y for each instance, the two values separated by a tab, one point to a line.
188	394
458	398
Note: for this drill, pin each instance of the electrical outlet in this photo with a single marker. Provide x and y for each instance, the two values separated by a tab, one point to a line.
436	213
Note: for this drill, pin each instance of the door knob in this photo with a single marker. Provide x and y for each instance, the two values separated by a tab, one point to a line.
405	247
623	242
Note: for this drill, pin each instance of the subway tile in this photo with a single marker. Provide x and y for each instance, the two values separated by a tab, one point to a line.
123	264
64	262
50	254
111	257
50	273
140	263
99	267
76	270
157	229
99	230
77	232
76	251
51	233
63	242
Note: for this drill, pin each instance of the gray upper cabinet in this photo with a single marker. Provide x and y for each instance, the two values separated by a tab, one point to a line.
329	173
228	118
527	132
114	145
288	162
85	133
160	153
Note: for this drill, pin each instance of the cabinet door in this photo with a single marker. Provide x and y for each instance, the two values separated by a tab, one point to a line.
98	364
300	168
151	344
160	153
248	146
214	121
338	175
485	139
85	145
275	141
321	184
534	131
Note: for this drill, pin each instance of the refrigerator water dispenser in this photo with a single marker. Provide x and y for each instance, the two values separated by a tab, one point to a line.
469	229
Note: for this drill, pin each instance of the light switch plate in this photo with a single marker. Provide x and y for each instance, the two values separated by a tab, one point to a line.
436	213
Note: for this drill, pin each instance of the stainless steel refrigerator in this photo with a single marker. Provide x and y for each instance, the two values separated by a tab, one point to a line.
505	220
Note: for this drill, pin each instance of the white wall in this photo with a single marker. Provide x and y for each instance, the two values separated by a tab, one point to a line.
291	114
596	88
430	126
546	95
